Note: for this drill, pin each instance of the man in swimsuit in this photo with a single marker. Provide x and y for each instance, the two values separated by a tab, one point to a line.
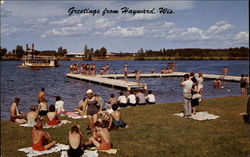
16	116
125	71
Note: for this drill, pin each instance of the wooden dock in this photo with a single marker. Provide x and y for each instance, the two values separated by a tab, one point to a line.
114	80
128	85
174	74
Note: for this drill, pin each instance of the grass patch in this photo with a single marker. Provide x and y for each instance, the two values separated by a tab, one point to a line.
154	131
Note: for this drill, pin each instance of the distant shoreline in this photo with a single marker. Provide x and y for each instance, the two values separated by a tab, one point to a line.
129	58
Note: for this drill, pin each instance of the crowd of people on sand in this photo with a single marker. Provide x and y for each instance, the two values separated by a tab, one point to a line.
102	117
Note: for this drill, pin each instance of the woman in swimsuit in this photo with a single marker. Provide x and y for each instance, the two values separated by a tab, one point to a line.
92	108
32	115
74	138
16	116
40	138
53	118
101	138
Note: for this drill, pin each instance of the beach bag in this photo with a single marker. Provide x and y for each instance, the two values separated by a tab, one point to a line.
196	96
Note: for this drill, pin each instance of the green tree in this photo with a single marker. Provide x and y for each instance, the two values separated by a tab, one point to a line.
3	52
103	52
19	52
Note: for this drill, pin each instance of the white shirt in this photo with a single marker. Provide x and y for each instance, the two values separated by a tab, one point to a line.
59	106
187	86
122	99
200	82
131	98
151	98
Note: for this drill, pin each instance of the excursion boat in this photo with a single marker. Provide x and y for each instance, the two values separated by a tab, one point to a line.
36	62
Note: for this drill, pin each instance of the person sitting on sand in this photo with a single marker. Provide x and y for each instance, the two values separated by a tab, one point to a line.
40	139
81	108
15	115
116	117
74	139
59	105
150	98
53	118
32	115
122	100
43	107
101	137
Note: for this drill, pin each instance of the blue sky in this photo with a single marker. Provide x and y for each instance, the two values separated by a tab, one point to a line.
194	24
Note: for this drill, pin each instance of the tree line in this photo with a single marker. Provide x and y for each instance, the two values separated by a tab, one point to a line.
187	52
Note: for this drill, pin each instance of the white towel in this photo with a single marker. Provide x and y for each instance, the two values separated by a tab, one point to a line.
200	116
30	152
87	153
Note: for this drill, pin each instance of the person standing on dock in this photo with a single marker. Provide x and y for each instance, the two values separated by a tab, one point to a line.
125	72
187	87
243	84
225	71
137	76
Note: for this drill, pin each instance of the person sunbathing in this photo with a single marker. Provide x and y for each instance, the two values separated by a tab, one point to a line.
53	118
32	115
101	137
116	117
74	139
16	116
40	139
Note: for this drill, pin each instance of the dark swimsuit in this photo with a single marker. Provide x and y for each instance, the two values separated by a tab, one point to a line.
92	107
75	152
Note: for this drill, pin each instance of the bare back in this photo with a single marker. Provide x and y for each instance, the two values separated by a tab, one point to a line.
74	139
116	115
37	135
105	135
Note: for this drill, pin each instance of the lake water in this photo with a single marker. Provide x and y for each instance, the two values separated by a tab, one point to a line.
25	83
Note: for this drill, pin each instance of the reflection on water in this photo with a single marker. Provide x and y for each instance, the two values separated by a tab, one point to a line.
25	83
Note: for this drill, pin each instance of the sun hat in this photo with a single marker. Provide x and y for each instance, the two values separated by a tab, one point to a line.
89	91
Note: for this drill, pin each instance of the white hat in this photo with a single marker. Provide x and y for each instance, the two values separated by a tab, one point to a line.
89	91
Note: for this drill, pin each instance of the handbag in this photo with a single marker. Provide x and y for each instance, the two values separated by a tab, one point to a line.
196	96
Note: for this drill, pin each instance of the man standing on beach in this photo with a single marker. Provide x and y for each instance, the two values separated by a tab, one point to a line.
41	95
187	86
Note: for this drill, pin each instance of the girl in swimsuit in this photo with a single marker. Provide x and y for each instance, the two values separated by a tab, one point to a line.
40	137
101	138
92	108
74	139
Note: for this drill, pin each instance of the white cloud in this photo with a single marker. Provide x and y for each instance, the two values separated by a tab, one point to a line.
7	30
103	23
219	27
143	17
78	29
242	37
125	32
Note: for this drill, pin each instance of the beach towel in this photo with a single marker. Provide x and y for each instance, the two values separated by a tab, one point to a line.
74	115
48	126
87	153
200	116
110	151
30	152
